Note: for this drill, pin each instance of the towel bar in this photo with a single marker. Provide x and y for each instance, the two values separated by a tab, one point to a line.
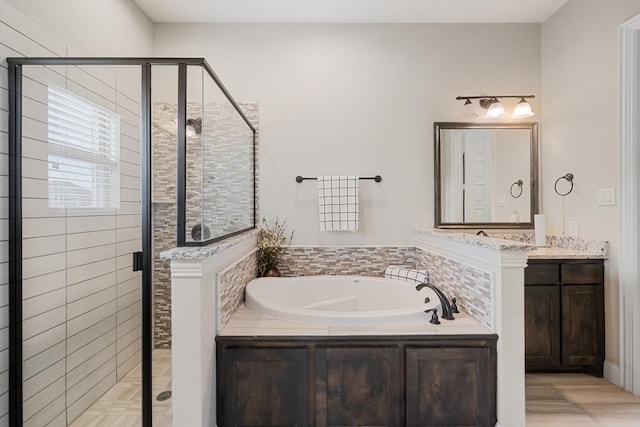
376	178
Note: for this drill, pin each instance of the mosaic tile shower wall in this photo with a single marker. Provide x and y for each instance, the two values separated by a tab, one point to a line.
231	284
354	260
164	199
164	235
471	287
219	172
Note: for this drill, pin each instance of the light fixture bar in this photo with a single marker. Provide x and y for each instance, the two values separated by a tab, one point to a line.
494	106
494	96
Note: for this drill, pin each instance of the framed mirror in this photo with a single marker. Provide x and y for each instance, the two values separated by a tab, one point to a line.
486	175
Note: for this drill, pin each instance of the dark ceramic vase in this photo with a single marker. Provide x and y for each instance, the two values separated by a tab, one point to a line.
272	272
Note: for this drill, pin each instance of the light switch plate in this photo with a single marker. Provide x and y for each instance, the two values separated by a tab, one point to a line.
606	197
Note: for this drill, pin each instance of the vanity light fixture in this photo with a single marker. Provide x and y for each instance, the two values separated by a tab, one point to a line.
468	110
494	107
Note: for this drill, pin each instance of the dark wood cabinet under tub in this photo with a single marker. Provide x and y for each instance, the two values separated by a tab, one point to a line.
357	380
564	315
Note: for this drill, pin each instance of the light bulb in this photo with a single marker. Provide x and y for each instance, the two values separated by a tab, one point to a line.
496	109
523	109
468	110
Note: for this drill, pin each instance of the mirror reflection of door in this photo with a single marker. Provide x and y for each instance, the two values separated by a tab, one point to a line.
478	159
452	155
468	155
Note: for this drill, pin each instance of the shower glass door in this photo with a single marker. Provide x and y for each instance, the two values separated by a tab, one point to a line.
81	225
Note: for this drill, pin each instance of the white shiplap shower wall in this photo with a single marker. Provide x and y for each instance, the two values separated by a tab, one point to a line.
81	299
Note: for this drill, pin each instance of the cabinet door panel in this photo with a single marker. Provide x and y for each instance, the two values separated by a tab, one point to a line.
542	326
265	387
542	274
582	273
358	386
582	325
449	387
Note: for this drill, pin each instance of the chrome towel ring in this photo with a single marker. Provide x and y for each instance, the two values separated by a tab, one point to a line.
568	177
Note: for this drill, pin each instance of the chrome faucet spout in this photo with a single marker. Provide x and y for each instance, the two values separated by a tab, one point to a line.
447	311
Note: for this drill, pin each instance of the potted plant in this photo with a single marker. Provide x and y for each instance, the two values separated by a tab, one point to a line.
272	246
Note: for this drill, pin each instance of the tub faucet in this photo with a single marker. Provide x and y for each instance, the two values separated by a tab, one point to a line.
447	312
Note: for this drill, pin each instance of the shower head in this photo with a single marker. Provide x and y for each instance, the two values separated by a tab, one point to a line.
194	126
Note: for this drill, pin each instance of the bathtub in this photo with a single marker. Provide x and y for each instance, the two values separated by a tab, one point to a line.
340	299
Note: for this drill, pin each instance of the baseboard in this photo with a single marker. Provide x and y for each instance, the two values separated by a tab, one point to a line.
611	372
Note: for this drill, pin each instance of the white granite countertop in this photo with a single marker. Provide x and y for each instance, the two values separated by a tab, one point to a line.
251	323
475	240
202	252
550	252
558	246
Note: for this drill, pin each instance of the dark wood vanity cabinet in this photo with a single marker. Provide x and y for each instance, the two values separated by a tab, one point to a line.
349	381
357	386
564	315
281	398
449	387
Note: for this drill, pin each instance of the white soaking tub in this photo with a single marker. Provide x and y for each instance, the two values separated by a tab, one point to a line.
340	300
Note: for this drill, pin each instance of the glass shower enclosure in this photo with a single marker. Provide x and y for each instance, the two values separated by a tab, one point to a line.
104	152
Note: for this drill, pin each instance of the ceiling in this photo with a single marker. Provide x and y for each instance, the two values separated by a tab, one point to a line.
348	11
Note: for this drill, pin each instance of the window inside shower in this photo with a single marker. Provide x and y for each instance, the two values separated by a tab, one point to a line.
112	160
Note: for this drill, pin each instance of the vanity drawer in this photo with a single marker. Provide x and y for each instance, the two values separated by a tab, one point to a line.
582	273
542	274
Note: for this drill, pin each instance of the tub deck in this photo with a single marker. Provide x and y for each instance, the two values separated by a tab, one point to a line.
246	322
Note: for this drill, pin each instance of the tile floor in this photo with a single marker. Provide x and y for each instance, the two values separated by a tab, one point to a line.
576	400
121	406
562	400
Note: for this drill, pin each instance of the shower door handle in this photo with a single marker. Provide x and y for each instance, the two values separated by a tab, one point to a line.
137	261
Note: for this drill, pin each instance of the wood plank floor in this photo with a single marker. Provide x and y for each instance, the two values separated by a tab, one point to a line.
121	405
577	400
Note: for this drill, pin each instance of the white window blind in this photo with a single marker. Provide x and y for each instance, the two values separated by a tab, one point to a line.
84	149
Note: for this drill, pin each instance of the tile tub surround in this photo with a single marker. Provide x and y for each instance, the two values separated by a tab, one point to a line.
347	260
230	284
470	286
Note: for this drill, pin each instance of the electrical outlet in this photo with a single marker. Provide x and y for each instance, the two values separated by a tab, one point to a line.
573	228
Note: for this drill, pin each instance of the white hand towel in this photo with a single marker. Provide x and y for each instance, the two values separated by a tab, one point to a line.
338	203
408	274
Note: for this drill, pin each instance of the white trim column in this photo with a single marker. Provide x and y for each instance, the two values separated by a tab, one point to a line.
506	268
628	288
193	329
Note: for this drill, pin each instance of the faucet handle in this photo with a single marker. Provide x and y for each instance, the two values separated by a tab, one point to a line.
454	305
434	316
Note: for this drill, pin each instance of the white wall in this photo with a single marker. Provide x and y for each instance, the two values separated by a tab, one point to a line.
357	99
93	27
580	127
